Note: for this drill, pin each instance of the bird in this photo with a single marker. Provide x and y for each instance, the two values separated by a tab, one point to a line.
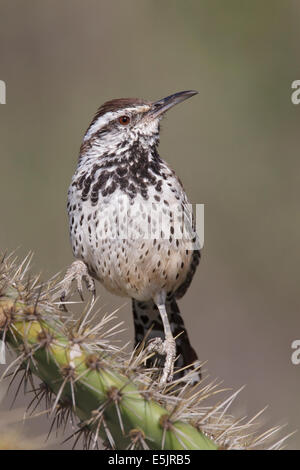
131	225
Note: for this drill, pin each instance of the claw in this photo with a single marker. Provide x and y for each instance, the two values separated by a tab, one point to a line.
62	300
93	295
167	348
77	271
79	288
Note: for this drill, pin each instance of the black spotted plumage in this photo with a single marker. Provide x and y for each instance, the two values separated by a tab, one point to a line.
133	173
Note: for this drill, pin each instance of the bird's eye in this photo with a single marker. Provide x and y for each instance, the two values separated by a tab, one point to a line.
124	120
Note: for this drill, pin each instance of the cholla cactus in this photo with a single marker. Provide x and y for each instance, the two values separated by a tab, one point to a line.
115	399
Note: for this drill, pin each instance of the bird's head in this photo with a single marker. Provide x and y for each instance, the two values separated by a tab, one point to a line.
120	123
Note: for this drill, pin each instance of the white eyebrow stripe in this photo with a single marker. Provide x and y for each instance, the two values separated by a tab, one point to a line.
111	116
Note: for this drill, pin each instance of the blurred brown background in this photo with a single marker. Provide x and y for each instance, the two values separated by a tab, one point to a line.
235	146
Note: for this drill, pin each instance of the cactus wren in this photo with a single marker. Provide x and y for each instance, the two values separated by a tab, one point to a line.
121	184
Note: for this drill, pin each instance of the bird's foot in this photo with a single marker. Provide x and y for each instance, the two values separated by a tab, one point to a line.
78	272
167	348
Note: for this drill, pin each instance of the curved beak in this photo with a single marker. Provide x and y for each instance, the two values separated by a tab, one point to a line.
161	106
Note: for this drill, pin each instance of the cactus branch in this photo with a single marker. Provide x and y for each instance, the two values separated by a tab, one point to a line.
84	376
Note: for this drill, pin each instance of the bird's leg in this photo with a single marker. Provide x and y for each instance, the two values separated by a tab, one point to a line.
77	271
166	347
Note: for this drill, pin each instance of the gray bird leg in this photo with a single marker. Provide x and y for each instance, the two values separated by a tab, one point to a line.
166	347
